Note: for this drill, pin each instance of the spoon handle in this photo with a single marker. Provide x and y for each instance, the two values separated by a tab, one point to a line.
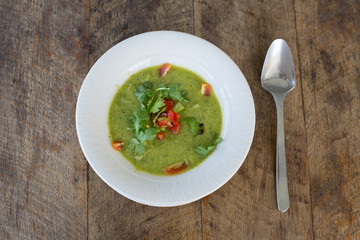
282	193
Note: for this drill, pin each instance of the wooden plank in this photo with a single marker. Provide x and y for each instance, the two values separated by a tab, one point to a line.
112	216
43	61
245	208
330	41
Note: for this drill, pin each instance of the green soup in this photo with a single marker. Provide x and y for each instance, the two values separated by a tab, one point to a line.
172	148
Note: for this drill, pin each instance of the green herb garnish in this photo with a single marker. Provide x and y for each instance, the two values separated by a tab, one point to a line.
193	124
175	93
152	104
158	114
178	107
203	152
141	120
137	147
147	134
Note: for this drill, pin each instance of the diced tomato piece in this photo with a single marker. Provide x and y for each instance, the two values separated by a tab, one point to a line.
164	69
173	117
117	145
175	128
205	89
169	104
163	122
176	117
175	168
160	135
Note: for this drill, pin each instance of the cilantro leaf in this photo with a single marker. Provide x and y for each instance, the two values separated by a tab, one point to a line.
203	152
165	94
143	95
178	107
147	134
156	104
162	85
218	140
193	124
141	119
137	147
148	85
175	93
141	114
139	125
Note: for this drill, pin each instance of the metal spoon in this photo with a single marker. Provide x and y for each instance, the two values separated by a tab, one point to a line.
278	77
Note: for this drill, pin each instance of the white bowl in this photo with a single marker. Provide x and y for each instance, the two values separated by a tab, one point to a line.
149	49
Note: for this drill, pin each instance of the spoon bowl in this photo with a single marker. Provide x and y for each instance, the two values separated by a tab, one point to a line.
278	74
278	78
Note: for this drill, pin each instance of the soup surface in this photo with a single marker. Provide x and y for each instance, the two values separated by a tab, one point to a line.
176	136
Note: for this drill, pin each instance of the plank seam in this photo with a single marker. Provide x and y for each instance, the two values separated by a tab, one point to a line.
304	115
201	217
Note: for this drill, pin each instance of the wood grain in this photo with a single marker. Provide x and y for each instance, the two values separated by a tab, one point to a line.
42	170
245	208
329	37
111	216
47	191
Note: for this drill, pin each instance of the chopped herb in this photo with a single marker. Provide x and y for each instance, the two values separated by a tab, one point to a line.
152	104
141	114
178	107
148	85
137	147
143	94
175	93
218	140
158	114
147	134
161	85
193	124
156	104
141	119
203	152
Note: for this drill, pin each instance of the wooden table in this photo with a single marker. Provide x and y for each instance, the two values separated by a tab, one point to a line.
47	189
